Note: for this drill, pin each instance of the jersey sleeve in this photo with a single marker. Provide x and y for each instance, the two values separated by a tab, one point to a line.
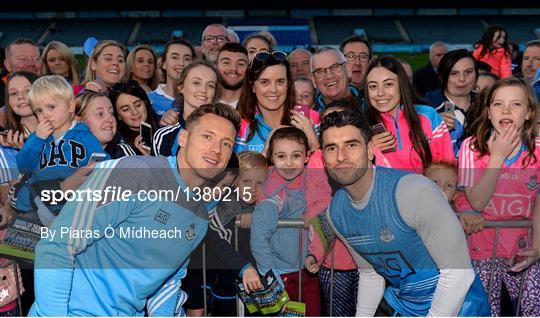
263	225
424	208
29	155
55	255
441	141
169	298
467	174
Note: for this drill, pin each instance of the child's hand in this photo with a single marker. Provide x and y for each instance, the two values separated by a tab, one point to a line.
245	220
386	142
502	144
251	280
44	129
471	223
310	263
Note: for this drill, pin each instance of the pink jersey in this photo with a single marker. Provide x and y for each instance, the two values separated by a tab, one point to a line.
405	157
513	199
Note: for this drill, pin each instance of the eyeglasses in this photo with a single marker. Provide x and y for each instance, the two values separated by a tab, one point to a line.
261	58
334	68
215	38
351	56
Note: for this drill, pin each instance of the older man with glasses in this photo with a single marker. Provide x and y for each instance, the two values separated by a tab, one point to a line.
213	38
358	53
329	73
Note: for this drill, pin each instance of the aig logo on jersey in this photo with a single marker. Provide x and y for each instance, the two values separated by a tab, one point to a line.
162	217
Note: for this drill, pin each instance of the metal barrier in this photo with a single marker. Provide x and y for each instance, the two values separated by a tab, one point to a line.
497	225
282	223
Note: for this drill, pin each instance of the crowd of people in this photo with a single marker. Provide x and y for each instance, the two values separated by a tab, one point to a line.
395	174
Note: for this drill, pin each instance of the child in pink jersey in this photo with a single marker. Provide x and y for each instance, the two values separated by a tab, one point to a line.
498	170
296	183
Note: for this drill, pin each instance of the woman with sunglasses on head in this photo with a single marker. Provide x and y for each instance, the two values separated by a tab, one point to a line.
97	112
131	108
141	66
411	136
58	59
458	72
267	102
106	66
178	54
196	86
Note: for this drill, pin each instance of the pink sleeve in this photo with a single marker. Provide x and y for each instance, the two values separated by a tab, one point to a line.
466	166
441	144
506	66
318	191
461	204
476	52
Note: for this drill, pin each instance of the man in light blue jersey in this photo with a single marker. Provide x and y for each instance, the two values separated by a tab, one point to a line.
118	255
399	228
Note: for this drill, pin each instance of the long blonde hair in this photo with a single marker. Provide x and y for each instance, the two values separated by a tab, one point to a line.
65	53
89	74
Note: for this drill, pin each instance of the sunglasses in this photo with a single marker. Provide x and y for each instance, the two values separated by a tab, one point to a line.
262	58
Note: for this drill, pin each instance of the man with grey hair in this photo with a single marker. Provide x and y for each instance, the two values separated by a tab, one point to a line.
426	79
328	67
299	63
213	38
233	36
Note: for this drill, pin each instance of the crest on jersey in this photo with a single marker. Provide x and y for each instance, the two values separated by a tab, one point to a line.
385	235
190	232
531	185
162	217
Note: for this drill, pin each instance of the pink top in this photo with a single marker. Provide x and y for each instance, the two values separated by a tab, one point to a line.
500	62
513	199
405	157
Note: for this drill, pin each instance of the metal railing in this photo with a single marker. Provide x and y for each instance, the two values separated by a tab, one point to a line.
497	225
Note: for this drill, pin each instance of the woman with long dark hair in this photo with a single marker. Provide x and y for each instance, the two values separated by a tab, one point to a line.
131	107
267	102
414	135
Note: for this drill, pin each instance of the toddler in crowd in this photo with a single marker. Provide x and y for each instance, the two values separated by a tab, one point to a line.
445	175
58	146
291	189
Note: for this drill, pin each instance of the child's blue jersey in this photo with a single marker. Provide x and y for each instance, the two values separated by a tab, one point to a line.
106	272
49	160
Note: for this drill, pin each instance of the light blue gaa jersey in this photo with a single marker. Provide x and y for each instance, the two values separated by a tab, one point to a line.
396	251
111	273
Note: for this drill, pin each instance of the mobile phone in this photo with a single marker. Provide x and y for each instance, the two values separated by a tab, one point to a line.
449	107
377	129
146	134
5	133
302	109
97	157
